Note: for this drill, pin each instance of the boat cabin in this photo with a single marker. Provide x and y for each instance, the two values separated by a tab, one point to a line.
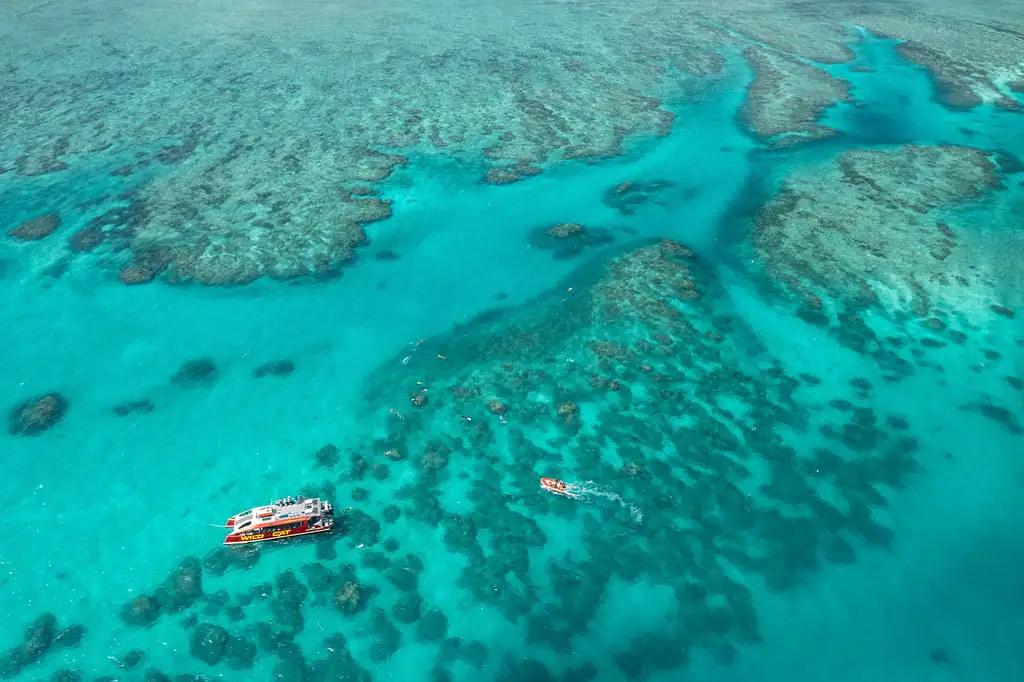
287	517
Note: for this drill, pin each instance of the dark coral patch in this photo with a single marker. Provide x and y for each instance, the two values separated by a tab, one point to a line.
133	275
627	196
387	638
568	240
1004	311
35	228
275	368
181	589
433	626
392	513
37	415
1009	163
506	176
408	608
198	372
133	659
40	637
142	611
68	675
130	407
997	414
327	456
146	264
87	240
208	642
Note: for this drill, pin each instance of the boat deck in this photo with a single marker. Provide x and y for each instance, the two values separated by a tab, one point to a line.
287	508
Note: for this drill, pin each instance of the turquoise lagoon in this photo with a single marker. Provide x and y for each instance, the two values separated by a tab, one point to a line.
101	509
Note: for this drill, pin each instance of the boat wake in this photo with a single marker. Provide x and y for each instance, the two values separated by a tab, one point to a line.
589	491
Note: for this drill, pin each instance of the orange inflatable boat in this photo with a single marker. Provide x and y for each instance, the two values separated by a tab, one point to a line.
555	486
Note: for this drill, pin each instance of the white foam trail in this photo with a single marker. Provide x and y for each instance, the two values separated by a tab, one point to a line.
589	491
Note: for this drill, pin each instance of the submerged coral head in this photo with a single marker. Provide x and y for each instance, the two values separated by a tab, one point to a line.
195	372
35	228
36	415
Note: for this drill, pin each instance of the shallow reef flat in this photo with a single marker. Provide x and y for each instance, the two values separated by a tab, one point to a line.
785	89
199	120
232	224
900	254
973	53
871	222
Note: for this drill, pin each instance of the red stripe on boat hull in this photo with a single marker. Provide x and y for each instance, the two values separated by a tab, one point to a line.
268	535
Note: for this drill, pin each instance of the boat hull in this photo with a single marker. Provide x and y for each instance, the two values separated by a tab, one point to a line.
552	486
271	535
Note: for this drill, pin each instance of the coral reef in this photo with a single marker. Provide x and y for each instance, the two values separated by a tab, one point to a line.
229	209
142	610
208	642
86	240
282	239
136	274
133	659
653	322
563	230
182	588
387	638
197	372
327	456
220	560
147	262
130	407
876	232
968	58
433	626
998	414
787	98
275	368
36	415
568	240
408	608
506	176
35	228
959	85
41	636
350	598
641	378
66	675
627	196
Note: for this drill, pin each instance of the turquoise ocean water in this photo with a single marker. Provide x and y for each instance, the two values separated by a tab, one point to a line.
677	570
